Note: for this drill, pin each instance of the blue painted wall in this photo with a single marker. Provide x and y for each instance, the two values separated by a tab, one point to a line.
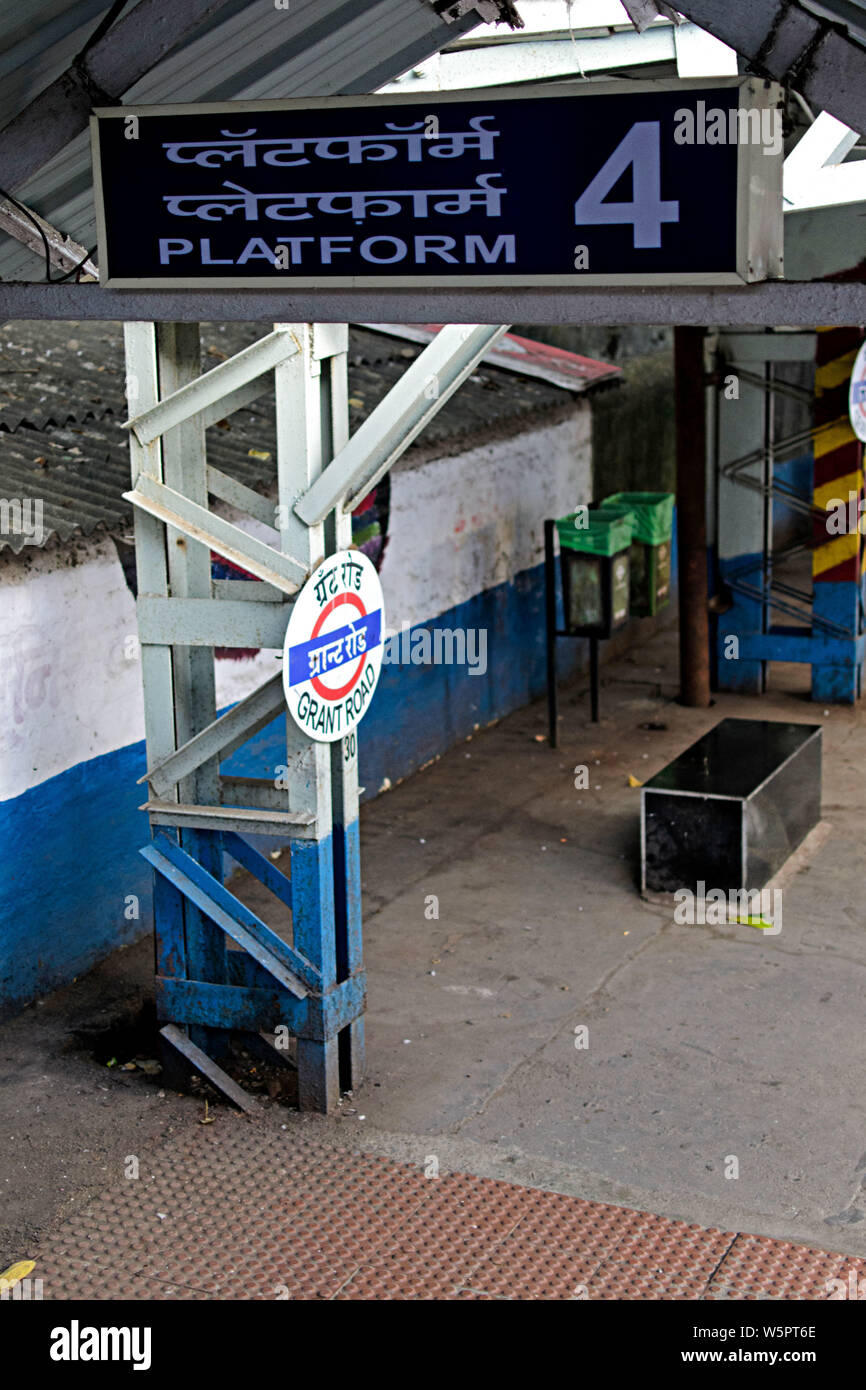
419	711
70	858
788	525
70	845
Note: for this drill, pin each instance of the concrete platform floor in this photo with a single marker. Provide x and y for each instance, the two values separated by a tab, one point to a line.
247	1210
705	1044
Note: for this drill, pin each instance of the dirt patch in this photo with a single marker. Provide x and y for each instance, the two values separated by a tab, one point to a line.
130	1038
67	1119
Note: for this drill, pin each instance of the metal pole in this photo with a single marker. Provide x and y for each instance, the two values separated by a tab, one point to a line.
593	678
193	682
550	616
691	516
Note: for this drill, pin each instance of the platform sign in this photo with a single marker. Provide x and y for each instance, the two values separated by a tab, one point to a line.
857	395
333	648
580	183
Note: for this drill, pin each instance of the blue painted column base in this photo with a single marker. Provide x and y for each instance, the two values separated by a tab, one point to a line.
267	986
838	602
835	685
736	671
350	948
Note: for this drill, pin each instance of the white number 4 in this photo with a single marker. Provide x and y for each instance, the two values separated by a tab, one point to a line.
640	149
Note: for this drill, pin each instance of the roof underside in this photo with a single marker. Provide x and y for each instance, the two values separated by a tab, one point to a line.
252	52
296	48
817	47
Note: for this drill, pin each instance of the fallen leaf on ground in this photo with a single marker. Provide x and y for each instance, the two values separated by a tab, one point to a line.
15	1273
149	1066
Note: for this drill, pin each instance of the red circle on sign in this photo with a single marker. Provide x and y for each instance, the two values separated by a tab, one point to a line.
315	682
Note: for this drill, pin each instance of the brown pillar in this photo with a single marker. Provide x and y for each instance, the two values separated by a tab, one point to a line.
692	516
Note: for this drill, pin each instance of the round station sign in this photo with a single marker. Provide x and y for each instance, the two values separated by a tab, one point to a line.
333	648
857	395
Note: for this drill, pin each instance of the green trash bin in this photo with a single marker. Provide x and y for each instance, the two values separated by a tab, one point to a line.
650	556
594	558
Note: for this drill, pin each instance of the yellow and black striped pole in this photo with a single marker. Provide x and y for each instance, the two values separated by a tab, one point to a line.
837	490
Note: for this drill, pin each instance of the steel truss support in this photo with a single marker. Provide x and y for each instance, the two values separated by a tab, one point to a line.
219	967
422	390
825	629
311	986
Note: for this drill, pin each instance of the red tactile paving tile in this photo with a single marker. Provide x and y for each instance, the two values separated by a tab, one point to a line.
400	1278
569	1249
659	1258
264	1253
446	1236
530	1270
233	1211
758	1267
64	1277
553	1250
356	1190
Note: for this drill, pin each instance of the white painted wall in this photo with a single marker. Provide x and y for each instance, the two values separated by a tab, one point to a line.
70	684
461	525
70	677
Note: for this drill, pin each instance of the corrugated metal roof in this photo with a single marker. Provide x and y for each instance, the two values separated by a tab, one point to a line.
62	441
314	47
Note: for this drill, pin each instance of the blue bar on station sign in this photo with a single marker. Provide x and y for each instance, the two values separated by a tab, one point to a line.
299	655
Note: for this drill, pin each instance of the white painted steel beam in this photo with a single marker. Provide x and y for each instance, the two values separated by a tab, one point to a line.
245	591
767	347
388	431
172	508
150	558
215	388
291	824
235	400
253	794
63	252
534	61
189	567
300	459
221	738
211	622
814	172
244	498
